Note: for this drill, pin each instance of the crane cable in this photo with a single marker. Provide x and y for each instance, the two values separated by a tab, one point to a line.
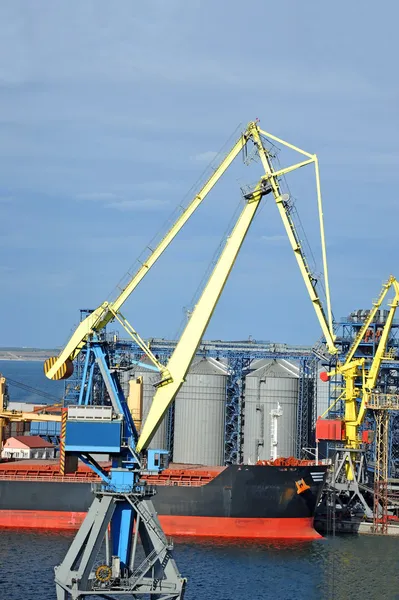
28	388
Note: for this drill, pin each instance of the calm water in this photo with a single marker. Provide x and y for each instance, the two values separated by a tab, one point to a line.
30	373
353	568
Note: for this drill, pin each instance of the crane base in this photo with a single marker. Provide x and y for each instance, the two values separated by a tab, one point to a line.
125	568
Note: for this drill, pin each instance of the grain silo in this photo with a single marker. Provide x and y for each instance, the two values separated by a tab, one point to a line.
146	379
275	382
200	415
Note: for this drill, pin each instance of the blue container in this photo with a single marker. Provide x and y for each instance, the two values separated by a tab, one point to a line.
93	437
45	428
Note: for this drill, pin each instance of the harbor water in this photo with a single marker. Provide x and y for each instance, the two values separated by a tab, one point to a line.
340	568
30	373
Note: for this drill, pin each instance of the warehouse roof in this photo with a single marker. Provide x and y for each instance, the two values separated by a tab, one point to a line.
32	441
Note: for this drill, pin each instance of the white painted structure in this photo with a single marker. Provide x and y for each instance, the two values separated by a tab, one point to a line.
27	446
275	414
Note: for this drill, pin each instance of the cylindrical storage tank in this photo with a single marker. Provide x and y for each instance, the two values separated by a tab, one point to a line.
275	383
200	408
149	378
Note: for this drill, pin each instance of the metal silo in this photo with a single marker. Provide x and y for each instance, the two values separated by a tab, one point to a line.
148	380
275	383
200	415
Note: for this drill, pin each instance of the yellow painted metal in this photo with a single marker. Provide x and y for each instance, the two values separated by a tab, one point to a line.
324	249
284	143
272	176
99	318
138	339
286	170
325	413
352	369
14	415
376	305
3	391
135	401
372	375
380	401
185	350
18	416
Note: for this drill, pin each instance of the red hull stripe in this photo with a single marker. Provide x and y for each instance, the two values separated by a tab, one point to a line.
299	528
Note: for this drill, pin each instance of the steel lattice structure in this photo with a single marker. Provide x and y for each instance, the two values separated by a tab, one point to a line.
237	356
388	380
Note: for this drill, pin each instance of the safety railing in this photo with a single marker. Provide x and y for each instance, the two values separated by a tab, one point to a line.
383	401
48	478
177	482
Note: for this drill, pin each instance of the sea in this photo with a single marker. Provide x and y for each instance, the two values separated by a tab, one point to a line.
30	373
336	568
352	567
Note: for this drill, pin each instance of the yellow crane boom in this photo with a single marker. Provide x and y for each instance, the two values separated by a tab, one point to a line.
185	350
60	367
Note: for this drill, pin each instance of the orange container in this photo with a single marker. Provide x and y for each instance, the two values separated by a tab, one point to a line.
329	429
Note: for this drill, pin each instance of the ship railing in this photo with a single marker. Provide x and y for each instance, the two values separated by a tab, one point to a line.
177	482
91	479
48	478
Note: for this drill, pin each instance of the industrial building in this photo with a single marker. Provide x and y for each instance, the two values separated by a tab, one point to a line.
26	447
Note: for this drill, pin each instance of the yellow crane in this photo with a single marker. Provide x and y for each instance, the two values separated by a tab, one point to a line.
122	480
360	382
61	367
172	375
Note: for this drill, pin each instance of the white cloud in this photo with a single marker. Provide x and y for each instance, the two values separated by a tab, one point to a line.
146	204
98	196
273	238
120	202
205	157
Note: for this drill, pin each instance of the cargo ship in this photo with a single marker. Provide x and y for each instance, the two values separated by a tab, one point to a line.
262	501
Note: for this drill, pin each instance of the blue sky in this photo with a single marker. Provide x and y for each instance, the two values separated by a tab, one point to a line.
110	112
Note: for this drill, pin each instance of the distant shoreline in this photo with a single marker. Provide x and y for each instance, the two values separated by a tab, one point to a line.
19	353
26	355
21	359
